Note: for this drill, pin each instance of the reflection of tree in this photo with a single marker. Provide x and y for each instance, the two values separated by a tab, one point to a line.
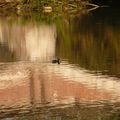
32	91
42	84
6	55
92	46
34	78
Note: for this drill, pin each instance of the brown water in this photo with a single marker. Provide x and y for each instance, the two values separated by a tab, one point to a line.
85	86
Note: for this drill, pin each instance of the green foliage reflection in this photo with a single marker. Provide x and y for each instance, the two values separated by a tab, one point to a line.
93	46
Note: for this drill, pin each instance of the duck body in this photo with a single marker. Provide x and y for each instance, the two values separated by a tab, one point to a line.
56	61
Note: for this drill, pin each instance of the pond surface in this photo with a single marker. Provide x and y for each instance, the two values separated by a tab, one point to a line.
84	86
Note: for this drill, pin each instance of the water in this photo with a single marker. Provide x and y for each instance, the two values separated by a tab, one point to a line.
85	86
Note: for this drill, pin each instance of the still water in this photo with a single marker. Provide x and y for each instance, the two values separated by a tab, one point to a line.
85	86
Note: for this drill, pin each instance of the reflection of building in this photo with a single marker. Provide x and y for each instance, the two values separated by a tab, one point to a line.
30	42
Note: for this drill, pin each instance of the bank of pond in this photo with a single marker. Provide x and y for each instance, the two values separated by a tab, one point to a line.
46	6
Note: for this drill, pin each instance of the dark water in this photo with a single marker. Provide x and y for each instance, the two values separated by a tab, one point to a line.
85	86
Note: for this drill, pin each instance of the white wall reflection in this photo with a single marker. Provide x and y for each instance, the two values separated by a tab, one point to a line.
40	42
29	42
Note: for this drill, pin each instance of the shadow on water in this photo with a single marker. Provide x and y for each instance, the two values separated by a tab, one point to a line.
85	86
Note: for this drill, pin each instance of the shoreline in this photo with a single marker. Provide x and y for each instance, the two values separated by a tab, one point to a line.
19	8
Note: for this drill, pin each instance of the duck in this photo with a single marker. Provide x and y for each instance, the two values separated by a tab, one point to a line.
56	61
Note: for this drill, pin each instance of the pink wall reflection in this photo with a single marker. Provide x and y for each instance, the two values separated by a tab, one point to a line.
51	86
